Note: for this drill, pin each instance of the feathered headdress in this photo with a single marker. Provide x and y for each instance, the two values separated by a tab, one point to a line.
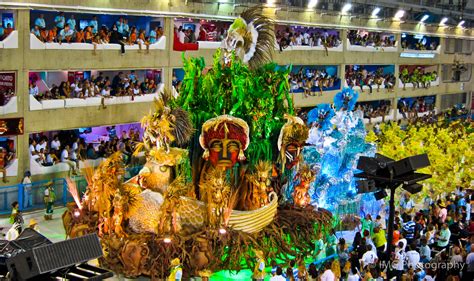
294	131
252	37
225	126
346	99
321	116
164	126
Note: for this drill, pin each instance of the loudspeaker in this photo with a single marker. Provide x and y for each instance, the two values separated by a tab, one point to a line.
366	186
50	258
413	188
378	165
410	164
368	164
381	194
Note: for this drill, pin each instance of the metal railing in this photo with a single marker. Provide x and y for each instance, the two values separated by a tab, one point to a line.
30	196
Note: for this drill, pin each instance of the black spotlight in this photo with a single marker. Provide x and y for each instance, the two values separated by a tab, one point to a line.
381	194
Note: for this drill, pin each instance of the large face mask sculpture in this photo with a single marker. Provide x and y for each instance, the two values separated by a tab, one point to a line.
293	136
224	140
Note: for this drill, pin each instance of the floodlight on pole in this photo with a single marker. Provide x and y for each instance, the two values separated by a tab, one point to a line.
312	4
375	12
346	8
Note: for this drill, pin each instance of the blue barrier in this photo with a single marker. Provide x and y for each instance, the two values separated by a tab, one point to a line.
30	196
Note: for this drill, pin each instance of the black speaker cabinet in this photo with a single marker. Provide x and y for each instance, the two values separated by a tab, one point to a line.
410	164
50	258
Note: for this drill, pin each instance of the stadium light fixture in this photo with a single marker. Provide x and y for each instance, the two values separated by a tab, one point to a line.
312	4
375	12
346	8
443	21
424	18
399	14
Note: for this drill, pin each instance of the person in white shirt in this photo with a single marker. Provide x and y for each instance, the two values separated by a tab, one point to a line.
328	275
28	196
407	205
181	34
55	143
75	145
425	251
306	38
278	275
403	242
34	90
65	159
299	39
353	275
33	153
319	42
397	263
369	257
413	257
41	145
105	92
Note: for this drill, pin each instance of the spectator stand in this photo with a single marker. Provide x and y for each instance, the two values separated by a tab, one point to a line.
8	36
311	80
82	21
8	143
376	111
419	76
92	136
300	38
57	77
374	77
30	196
369	41
194	34
417	44
416	107
8	98
177	80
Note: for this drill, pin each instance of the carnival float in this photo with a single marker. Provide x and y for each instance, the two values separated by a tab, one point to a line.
225	183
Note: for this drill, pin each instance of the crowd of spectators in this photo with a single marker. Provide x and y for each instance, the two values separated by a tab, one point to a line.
306	37
411	110
419	45
418	77
457	112
433	239
5	96
364	78
372	39
100	86
71	149
68	31
5	31
7	155
309	81
188	35
370	110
